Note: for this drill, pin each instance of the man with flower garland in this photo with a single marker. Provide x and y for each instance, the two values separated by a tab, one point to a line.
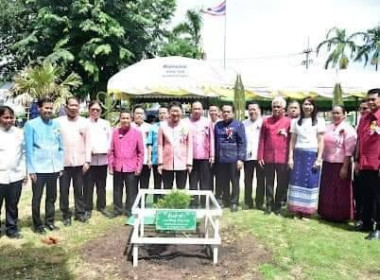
273	154
230	152
367	162
175	148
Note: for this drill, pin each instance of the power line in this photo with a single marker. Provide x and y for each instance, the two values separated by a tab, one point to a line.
307	53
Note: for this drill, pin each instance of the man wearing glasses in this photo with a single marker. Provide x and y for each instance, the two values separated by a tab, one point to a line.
273	154
100	135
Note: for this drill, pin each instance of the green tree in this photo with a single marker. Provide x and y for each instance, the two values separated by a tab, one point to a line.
46	79
370	50
13	21
185	38
340	45
94	38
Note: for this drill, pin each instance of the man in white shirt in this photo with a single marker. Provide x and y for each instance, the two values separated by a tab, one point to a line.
12	169
140	124
252	131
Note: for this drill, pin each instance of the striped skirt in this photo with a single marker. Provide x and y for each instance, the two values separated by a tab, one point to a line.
304	183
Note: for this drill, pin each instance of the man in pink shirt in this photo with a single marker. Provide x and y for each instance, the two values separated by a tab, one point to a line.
175	148
125	161
77	159
368	163
273	154
203	151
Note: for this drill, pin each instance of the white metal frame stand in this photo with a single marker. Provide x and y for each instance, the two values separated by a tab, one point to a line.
210	215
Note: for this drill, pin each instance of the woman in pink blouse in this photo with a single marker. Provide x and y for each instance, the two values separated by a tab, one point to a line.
335	197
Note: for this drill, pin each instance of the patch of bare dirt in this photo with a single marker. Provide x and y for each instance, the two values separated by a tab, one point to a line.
239	258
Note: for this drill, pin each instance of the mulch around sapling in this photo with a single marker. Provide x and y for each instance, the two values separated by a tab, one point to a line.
240	256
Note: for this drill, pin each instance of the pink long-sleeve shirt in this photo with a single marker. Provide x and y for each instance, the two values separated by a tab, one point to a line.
274	140
175	146
76	141
203	138
340	141
127	150
369	141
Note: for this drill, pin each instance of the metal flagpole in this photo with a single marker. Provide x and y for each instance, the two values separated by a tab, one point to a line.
225	37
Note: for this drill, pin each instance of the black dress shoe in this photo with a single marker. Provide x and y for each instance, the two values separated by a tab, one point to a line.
115	214
14	235
268	211
373	235
81	219
234	208
67	222
260	207
247	206
87	215
104	212
360	226
40	230
51	227
220	202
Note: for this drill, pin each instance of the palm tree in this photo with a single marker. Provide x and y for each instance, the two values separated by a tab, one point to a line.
340	41
371	47
185	38
46	79
191	28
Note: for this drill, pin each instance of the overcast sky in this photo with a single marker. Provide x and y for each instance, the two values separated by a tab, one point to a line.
268	34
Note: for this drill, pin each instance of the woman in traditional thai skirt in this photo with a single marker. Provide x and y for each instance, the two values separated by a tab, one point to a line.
305	160
335	196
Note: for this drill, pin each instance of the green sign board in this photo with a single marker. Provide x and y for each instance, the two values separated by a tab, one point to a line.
173	219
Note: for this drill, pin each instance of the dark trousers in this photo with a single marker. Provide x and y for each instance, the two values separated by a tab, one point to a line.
50	181
157	181
370	182
11	194
282	172
249	171
200	175
119	180
74	174
227	174
180	178
95	176
357	188
143	178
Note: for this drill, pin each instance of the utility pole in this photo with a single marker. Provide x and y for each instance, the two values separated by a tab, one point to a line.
307	53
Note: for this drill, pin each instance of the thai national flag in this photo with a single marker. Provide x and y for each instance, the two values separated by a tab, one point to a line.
219	10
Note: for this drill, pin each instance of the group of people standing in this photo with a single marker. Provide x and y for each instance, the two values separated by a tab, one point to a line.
314	162
311	162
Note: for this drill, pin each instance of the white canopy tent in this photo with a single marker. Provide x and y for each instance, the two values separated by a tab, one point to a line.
186	77
301	83
171	76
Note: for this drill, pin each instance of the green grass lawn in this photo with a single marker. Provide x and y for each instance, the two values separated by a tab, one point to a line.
301	249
